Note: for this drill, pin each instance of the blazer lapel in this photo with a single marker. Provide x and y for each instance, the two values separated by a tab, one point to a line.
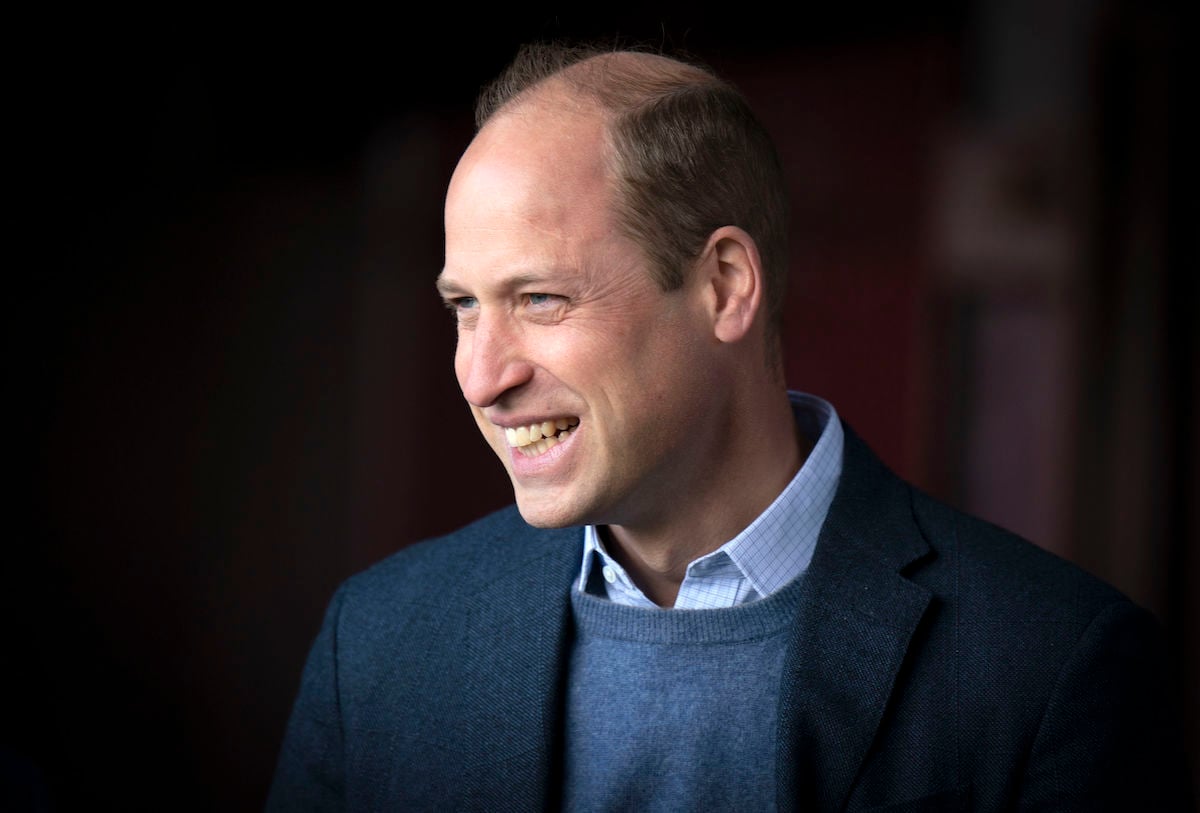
514	653
852	633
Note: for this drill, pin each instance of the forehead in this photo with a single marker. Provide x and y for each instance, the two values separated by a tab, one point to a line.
542	155
534	185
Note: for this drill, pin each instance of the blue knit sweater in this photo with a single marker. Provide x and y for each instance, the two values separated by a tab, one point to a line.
675	709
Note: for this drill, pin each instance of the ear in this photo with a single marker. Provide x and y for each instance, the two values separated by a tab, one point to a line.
733	275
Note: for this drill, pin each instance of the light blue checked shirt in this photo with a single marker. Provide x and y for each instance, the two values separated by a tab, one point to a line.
771	551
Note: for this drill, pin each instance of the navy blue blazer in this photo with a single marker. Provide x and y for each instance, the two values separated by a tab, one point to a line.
937	663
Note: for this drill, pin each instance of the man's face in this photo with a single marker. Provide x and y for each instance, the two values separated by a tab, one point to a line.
562	332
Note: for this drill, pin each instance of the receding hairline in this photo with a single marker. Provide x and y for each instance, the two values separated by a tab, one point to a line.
623	75
683	150
614	82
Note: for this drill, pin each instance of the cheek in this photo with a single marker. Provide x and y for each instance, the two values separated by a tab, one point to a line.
679	367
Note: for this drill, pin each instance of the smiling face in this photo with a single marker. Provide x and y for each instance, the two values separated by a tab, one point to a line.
562	331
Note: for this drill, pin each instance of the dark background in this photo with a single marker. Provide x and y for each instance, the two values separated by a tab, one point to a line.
231	375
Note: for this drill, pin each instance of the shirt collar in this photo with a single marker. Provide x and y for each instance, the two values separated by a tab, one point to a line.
773	549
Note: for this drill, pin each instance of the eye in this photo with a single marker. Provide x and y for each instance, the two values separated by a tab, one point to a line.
544	308
542	300
461	303
463	308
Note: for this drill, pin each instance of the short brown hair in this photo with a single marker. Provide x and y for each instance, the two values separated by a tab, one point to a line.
690	155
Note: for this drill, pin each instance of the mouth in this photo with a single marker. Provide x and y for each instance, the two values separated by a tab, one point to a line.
538	438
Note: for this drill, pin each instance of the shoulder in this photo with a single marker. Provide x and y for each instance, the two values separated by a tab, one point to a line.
445	570
423	598
994	570
1024	623
964	561
439	560
1080	670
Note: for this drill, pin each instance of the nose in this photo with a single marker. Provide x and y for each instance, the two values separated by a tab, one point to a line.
490	360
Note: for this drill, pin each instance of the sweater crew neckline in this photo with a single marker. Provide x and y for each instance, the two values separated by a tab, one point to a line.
597	616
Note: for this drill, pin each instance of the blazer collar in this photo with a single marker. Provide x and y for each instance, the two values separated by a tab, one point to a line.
852	633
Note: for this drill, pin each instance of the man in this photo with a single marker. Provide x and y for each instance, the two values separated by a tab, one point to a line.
615	259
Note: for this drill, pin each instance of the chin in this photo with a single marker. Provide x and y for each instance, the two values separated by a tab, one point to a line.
543	513
545	519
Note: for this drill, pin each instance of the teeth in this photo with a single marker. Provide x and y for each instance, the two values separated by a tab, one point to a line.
539	438
542	446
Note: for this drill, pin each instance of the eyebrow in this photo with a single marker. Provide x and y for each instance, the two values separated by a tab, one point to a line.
448	288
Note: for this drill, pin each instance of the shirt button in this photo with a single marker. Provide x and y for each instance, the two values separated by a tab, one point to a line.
610	575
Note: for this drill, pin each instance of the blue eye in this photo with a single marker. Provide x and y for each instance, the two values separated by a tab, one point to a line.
462	308
539	299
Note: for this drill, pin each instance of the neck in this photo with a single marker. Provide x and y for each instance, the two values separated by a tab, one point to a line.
760	455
